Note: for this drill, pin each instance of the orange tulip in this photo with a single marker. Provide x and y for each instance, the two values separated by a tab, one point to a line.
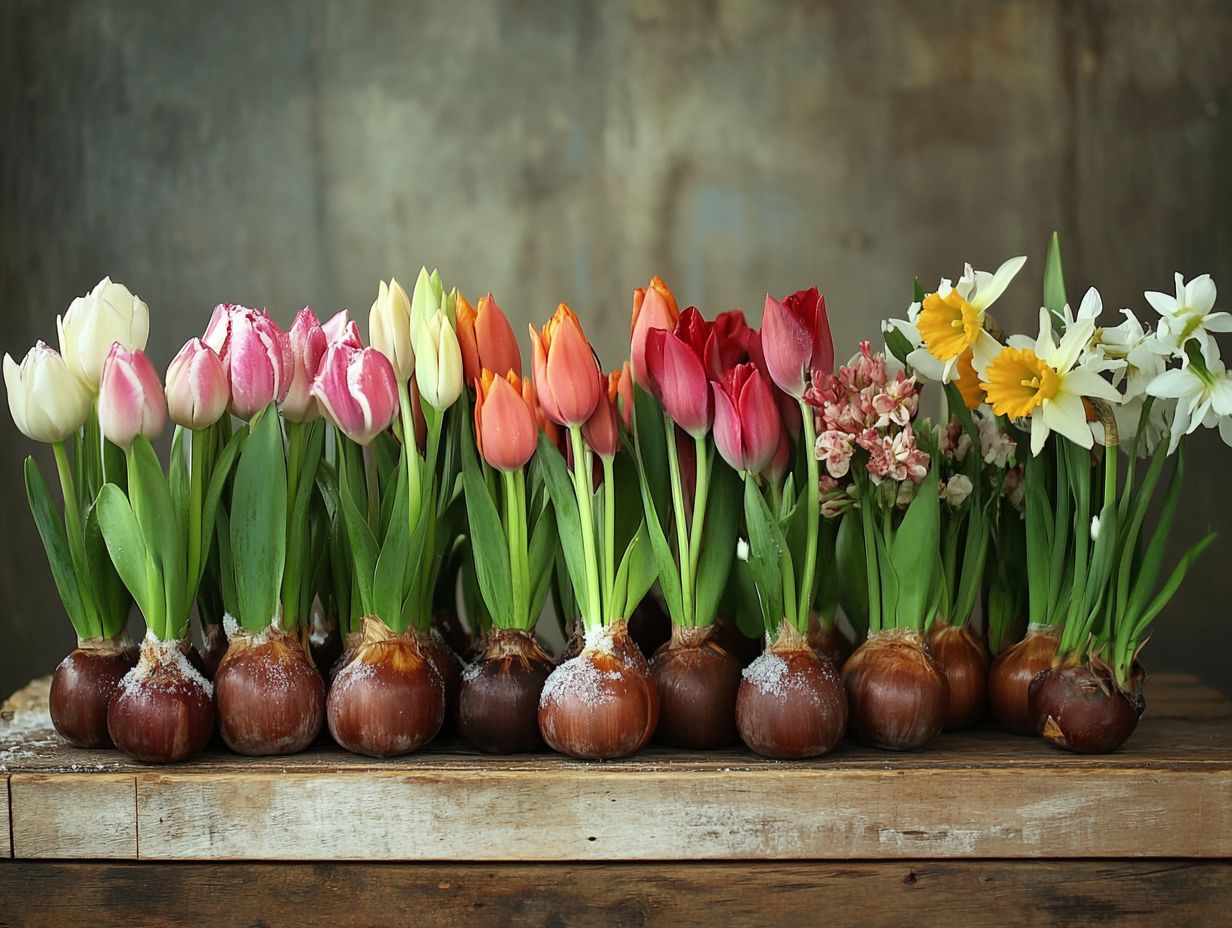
653	308
566	370
505	429
624	390
602	431
487	339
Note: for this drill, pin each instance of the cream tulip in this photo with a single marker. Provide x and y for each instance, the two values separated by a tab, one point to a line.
438	361
108	314
389	328
47	401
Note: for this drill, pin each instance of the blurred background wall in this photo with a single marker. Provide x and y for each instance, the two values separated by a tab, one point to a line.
289	153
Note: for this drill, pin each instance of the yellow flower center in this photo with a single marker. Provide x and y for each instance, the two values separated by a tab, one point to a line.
949	325
1018	381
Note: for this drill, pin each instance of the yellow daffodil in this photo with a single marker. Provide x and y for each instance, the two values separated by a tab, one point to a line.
951	321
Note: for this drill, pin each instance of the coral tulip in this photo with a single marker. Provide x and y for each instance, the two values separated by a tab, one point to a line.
108	314
677	369
197	391
566	371
487	340
131	401
795	340
256	355
505	427
602	429
654	307
357	390
308	344
48	402
746	421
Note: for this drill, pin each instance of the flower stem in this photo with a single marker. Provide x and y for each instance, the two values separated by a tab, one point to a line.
871	573
196	479
808	571
700	497
76	542
682	528
592	615
515	519
609	532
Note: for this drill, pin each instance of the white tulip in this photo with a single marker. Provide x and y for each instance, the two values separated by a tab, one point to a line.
438	360
389	328
107	314
47	401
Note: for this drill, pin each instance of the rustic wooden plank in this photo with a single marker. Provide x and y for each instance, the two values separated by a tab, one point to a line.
73	815
6	830
920	893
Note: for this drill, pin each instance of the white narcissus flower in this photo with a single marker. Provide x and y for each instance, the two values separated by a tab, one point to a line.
93	323
1043	381
438	360
1203	394
1189	315
956	490
47	401
389	328
1133	433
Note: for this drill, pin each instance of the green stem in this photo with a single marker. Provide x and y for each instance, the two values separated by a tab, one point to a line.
808	572
592	615
76	541
196	491
515	518
411	449
872	575
700	496
682	528
609	532
374	491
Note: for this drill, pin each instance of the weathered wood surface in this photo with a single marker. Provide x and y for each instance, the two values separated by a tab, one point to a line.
975	794
917	893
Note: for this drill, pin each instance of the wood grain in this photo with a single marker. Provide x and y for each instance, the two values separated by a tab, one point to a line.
6	834
73	815
918	893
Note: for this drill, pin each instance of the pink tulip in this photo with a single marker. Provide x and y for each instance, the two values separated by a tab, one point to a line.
130	397
357	391
340	328
256	355
308	344
795	340
675	361
746	420
197	390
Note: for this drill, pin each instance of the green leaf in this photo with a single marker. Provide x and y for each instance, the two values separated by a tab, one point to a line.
178	476
852	572
568	521
719	542
767	547
131	556
913	555
259	521
111	598
541	558
741	601
149	495
213	494
389	580
489	547
1054	278
55	543
1171	585
917	291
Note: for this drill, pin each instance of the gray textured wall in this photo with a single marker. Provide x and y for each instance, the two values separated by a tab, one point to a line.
288	153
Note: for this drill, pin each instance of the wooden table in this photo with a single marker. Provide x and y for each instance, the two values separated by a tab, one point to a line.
982	827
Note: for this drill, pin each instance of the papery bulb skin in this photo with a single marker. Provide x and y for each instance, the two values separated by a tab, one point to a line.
324	639
649	626
573	644
163	711
350	644
1010	676
269	696
791	703
82	689
498	709
697	682
213	647
448	665
599	705
388	700
449	625
897	693
1082	709
829	641
962	657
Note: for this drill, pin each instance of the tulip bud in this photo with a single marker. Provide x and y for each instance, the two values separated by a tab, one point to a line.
602	431
108	314
428	297
308	344
256	355
653	308
340	328
357	390
566	372
389	328
131	401
48	402
487	340
795	340
438	360
505	428
677	369
746	420
197	391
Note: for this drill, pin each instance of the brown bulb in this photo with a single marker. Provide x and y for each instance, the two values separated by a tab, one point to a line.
829	641
964	660
573	644
449	666
350	643
1009	678
82	689
897	693
388	700
791	703
599	704
499	705
1082	709
213	647
162	712
269	696
697	681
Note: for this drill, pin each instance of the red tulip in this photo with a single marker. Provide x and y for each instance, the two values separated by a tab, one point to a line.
776	470
677	369
789	409
256	355
746	420
357	391
729	345
795	339
308	344
131	401
602	429
197	391
486	339
566	371
505	428
654	307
